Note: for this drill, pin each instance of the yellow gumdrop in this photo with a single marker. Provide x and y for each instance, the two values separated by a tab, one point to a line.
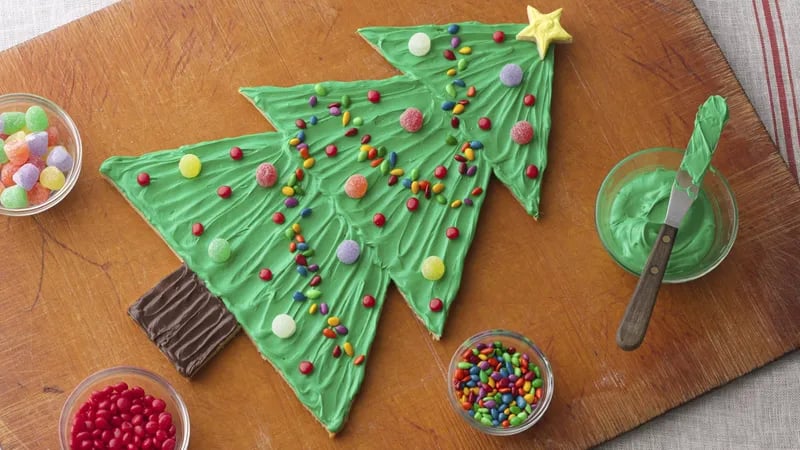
432	268
190	165
52	178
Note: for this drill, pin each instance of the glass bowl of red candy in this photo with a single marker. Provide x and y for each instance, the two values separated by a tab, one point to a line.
40	154
124	408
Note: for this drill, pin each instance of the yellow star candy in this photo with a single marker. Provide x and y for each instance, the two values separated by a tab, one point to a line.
544	29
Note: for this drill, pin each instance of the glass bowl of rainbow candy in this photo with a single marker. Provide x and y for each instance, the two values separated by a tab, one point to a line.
40	154
500	382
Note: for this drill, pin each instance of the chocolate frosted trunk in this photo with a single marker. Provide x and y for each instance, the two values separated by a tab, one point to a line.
187	323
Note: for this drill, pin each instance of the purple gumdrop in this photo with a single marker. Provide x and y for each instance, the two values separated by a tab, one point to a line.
37	143
60	158
511	75
348	251
26	176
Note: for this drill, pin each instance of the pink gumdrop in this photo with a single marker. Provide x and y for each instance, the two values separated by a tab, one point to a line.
38	162
17	151
411	120
38	194
7	174
266	175
522	132
356	186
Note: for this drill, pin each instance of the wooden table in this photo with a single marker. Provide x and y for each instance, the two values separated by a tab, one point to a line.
146	75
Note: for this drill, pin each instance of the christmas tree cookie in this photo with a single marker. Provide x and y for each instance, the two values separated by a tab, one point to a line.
298	232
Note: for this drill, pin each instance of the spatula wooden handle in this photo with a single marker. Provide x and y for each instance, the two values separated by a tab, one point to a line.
637	315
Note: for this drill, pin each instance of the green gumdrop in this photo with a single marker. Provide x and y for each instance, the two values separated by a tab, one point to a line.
12	121
3	157
36	119
14	197
219	250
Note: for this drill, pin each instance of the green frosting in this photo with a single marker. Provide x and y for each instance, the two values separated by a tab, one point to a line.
711	118
171	203
503	105
637	214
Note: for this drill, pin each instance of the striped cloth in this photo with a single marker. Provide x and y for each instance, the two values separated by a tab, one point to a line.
761	40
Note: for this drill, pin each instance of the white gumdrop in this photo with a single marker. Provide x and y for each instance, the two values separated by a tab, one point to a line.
419	44
283	326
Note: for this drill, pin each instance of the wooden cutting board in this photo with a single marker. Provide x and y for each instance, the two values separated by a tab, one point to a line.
147	75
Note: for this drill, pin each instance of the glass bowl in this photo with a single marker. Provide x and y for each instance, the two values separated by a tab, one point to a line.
68	137
151	383
487	341
715	188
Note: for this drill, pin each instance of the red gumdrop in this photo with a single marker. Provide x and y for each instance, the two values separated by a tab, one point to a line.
7	173
379	220
38	194
499	37
522	132
52	136
411	120
435	304
224	191
531	171
236	153
452	233
373	96
197	229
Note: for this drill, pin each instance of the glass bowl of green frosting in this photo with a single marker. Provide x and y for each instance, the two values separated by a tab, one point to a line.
632	204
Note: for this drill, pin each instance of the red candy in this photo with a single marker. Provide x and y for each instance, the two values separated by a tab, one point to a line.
143	179
448	54
236	153
411	120
522	132
197	229
435	304
452	233
454	122
331	150
265	274
529	100
368	301
531	171
306	367
440	172
224	191
379	220
484	123
300	123
412	204
121	418
373	96
499	37
278	218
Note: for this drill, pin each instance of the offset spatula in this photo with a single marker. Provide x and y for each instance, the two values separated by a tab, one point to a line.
711	118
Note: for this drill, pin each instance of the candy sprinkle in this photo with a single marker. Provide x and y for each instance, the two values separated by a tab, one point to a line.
368	301
497	385
306	367
435	304
143	179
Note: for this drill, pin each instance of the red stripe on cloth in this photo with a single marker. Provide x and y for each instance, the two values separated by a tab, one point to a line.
791	77
786	121
766	71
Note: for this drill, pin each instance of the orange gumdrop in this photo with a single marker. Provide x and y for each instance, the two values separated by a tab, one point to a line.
7	172
52	136
38	194
17	151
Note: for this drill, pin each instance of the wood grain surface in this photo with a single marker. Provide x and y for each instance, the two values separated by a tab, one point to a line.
147	75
